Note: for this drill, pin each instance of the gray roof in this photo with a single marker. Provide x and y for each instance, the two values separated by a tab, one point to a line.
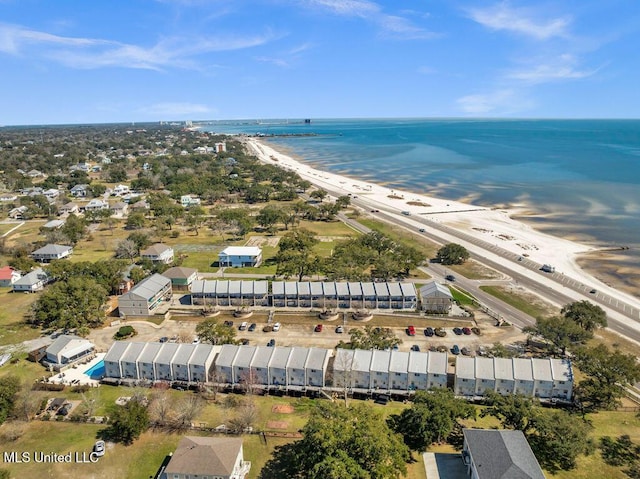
541	369
280	358
204	456
342	289
183	354
262	357
344	359
234	288
290	288
362	360
298	358
277	287
260	288
500	454
368	289
52	249
394	289
418	362
133	352
329	289
222	287
227	355
465	367
179	272
382	289
522	369
561	370
408	290
317	358
148	287
155	250
316	288
246	287
399	362
116	351
63	341
304	289
202	353
437	363
150	352
503	368
31	278
355	289
484	368
435	290
166	353
244	357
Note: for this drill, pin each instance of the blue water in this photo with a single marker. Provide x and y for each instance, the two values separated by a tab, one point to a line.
578	179
96	371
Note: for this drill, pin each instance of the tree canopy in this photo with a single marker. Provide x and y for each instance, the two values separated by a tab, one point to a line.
129	421
341	442
452	253
431	418
587	315
209	331
371	338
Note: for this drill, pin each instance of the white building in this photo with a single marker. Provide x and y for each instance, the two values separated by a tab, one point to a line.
67	349
399	370
240	256
158	253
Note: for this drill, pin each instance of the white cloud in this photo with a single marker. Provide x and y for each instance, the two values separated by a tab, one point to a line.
499	102
356	8
173	109
519	20
97	53
562	68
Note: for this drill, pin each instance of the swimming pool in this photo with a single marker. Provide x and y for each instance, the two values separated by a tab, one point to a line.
96	371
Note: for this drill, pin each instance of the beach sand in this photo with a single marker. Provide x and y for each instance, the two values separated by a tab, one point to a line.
494	225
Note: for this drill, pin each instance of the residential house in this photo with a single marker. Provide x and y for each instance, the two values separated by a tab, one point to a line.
163	360
120	190
242	366
53	224
31	282
79	191
146	361
380	370
316	367
296	372
562	374
485	376
220	147
8	276
35	174
418	377
240	256
180	362
7	197
224	364
181	277
119	209
51	194
145	297
19	213
189	200
435	298
278	366
207	457
95	204
505	380
67	349
129	360
51	252
260	364
499	454
69	208
201	363
437	370
542	378
158	253
361	369
465	377
399	370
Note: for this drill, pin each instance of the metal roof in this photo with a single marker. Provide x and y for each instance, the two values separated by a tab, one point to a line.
116	351
290	288
382	289
244	356
465	367
246	287
260	288
503	368
355	289
522	369
234	288
202	353
399	362
342	289
298	358
227	355
149	353
484	368
316	288
183	354
418	362
437	363
408	290
344	360
277	287
561	370
280	357
222	287
52	249
541	369
262	357
368	290
148	287
435	290
241	251
329	289
317	358
362	360
132	353
394	290
304	289
166	353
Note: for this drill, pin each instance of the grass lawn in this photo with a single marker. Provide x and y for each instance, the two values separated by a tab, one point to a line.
473	270
12	326
461	296
533	306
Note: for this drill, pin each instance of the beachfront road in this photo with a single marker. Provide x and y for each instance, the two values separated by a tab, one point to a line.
557	288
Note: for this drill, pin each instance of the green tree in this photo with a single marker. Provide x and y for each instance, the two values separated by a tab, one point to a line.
343	201
209	331
319	194
373	338
452	253
608	374
75	228
194	218
129	421
135	221
558	438
9	387
340	442
77	302
560	331
587	315
431	418
514	412
295	254
270	216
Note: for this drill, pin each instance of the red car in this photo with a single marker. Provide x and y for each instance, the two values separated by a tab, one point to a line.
411	330
318	328
466	331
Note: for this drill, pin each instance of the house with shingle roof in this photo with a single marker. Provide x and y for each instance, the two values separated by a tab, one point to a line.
219	457
158	253
181	277
50	252
499	454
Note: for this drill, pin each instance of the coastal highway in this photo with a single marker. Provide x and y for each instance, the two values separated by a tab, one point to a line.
559	289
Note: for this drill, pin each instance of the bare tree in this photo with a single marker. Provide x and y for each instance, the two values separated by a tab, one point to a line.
343	366
188	408
245	418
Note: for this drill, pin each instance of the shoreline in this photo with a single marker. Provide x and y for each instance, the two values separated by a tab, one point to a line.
492	224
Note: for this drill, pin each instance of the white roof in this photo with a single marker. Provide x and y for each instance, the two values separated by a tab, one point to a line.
241	251
465	367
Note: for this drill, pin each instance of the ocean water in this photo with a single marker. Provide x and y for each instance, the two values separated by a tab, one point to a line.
579	179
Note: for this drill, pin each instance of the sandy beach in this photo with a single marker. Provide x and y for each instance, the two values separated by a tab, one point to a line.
493	225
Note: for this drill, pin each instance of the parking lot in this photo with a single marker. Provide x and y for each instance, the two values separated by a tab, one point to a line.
301	331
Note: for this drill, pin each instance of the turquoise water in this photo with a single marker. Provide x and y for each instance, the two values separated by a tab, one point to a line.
96	371
579	178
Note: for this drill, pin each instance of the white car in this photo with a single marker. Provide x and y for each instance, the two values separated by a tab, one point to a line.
99	448
276	327
243	326
196	340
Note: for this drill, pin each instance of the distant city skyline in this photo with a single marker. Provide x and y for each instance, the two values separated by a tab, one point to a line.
176	60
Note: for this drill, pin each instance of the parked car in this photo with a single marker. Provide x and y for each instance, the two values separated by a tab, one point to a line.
411	330
455	349
415	347
382	399
253	327
99	448
244	341
440	332
593	291
457	331
450	277
476	330
340	329
243	326
276	327
318	328
196	340
267	328
428	331
228	323
422	230
271	343
164	339
466	351
466	331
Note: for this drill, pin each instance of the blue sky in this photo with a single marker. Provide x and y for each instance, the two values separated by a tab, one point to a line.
73	61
